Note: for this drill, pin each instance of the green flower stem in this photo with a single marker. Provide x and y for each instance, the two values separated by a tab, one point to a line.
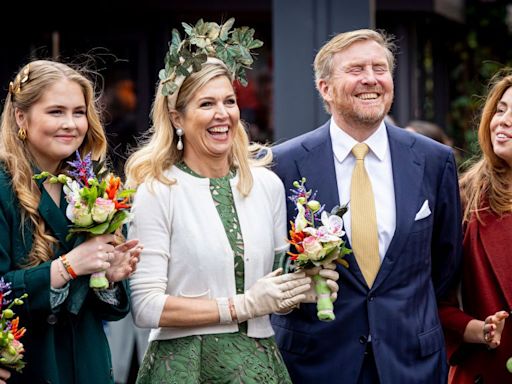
324	304
98	280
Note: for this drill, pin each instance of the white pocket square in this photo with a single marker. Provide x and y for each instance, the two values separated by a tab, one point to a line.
423	212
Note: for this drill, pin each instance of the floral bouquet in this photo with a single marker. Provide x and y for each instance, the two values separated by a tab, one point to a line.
97	203
317	237
11	349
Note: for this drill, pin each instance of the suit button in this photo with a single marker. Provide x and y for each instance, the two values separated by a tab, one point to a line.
371	298
52	319
363	339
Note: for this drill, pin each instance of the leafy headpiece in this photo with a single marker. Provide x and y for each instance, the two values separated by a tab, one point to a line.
207	39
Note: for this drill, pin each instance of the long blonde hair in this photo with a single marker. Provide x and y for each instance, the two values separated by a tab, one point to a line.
160	152
486	184
18	160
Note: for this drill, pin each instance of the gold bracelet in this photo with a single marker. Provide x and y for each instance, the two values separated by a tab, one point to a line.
61	271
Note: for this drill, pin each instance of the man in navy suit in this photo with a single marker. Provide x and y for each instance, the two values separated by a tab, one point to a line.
387	330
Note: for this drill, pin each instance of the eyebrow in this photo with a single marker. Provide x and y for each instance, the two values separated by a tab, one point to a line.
364	63
60	106
213	97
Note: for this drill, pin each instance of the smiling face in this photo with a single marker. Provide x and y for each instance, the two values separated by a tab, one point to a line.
501	128
209	123
56	124
359	90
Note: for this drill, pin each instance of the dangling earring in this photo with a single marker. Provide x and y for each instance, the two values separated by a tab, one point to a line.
22	134
179	132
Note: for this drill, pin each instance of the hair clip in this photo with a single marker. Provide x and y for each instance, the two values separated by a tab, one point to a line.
21	78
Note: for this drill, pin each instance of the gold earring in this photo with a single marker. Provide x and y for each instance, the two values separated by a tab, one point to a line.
22	134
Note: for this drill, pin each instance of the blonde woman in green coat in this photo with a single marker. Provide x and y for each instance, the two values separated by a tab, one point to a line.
49	113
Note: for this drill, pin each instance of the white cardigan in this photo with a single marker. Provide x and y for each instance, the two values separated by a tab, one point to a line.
186	250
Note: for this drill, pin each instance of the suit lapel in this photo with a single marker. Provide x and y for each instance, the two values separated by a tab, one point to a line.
408	167
317	166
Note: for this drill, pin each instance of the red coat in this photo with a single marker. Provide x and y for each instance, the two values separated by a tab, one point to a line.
486	288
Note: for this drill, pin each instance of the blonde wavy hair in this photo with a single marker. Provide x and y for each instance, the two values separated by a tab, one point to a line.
324	59
160	152
19	162
486	184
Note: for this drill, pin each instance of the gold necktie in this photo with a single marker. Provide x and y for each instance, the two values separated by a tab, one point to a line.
365	241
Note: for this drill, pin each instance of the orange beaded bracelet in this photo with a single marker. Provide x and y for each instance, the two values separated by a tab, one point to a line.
66	264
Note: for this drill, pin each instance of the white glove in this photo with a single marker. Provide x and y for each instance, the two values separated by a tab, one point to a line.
271	293
328	272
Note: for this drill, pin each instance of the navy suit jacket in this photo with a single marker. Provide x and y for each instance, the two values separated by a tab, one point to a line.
400	310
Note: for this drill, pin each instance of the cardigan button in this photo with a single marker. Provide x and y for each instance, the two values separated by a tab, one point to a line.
52	319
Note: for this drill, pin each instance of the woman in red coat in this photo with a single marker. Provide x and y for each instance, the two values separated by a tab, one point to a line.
479	339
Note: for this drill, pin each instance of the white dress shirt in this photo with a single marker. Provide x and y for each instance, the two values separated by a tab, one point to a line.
378	166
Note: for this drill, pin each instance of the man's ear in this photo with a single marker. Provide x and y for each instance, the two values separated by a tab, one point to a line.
176	119
325	90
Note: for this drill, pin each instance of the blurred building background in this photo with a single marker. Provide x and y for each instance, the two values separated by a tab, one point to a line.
447	51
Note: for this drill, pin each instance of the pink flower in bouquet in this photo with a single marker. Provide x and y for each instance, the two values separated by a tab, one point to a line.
313	248
103	210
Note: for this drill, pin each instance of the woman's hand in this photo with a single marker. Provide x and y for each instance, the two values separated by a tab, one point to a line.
93	255
124	260
4	375
493	326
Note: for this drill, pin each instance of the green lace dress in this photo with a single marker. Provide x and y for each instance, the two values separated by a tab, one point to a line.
218	358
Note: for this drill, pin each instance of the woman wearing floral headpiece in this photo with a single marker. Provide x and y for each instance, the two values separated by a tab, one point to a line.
49	114
478	333
212	219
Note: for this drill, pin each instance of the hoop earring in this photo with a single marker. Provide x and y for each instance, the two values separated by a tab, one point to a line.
22	134
179	133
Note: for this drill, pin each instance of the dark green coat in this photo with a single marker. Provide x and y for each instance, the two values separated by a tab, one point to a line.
67	345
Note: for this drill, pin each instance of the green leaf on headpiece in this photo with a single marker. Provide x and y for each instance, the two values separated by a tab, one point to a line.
224	30
242	80
201	42
176	39
255	44
181	70
197	61
213	31
187	28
